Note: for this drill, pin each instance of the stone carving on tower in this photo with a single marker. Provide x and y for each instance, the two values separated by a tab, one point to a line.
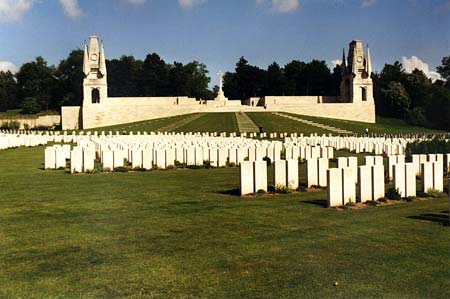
95	86
356	85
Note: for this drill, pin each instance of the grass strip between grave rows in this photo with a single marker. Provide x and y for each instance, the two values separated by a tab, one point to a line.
383	125
211	122
185	234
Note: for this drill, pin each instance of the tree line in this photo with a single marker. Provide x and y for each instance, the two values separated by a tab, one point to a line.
413	97
410	96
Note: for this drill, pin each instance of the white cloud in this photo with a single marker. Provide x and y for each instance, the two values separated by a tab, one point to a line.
367	3
71	8
280	6
136	2
13	10
336	62
285	6
410	64
8	66
190	3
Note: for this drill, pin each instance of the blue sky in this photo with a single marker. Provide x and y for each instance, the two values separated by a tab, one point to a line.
218	32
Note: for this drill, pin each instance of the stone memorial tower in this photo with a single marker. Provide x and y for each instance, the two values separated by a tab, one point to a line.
95	86
356	84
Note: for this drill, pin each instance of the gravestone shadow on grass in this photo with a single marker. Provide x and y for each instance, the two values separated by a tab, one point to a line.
318	202
441	218
234	192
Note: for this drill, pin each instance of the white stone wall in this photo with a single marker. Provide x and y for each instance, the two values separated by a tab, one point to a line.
113	111
44	121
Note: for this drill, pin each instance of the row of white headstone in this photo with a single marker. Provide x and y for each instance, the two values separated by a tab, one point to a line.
348	182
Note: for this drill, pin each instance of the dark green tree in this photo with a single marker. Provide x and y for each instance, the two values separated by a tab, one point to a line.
275	80
70	76
444	68
154	76
36	79
397	99
123	76
8	91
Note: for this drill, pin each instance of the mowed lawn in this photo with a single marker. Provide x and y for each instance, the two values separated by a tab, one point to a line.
226	122
185	234
383	125
211	122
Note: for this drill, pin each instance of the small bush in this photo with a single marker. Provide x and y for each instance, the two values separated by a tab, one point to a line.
393	194
371	203
231	164
435	194
382	199
261	192
120	169
350	204
179	164
207	164
410	198
139	169
302	188
283	189
106	169
171	167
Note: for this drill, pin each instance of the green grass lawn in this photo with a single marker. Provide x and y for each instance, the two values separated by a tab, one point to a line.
275	123
226	122
185	234
148	125
383	125
212	122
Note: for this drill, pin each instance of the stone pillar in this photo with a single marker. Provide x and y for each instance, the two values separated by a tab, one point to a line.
160	158
348	185
311	172
198	156
147	158
369	160
377	182
119	158
222	157
342	162
214	156
334	190
323	166
76	160
260	175
292	173
379	160
60	157
50	158
438	176
427	176
392	160
170	157
399	179
136	158
279	173
246	177
107	160
364	183
410	179
416	163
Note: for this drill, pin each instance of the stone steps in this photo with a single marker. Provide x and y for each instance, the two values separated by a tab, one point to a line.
245	124
314	124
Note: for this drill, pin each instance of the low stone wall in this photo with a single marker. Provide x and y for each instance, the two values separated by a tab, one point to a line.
116	111
32	122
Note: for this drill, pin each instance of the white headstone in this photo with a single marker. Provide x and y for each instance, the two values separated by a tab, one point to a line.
334	182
